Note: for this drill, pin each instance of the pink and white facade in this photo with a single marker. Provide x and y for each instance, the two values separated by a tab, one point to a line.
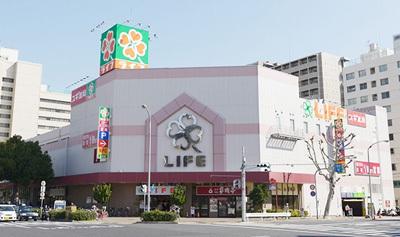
226	108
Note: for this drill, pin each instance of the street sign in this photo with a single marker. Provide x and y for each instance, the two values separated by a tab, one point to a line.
236	184
103	143
313	193
42	189
43	183
312	186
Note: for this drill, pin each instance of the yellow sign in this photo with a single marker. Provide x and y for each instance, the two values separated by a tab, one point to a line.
323	111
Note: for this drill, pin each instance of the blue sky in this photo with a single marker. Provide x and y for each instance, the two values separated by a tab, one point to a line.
193	33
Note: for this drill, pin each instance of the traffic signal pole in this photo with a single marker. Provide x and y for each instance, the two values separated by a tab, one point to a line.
243	183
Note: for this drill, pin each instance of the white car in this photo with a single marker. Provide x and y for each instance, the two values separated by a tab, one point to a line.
7	213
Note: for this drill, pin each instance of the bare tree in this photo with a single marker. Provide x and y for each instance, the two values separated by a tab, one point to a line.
329	150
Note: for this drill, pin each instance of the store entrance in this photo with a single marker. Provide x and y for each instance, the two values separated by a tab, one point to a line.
226	207
356	206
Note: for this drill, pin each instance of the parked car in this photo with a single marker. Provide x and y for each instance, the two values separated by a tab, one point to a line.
27	213
7	213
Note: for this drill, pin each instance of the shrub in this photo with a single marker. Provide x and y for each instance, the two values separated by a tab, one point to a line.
57	214
305	213
157	215
83	215
294	213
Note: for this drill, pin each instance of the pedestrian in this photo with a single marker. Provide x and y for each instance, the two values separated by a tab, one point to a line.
192	211
346	210
379	213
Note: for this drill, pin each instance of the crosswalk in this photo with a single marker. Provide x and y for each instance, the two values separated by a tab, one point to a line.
380	228
48	225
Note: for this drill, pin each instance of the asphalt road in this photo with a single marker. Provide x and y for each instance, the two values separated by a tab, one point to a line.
265	229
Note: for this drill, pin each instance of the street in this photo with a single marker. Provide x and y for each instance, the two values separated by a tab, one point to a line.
289	228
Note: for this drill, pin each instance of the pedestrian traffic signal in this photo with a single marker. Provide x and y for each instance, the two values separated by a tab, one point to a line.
264	165
236	184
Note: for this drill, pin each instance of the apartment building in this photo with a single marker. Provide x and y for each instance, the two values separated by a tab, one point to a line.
54	110
319	76
20	98
375	80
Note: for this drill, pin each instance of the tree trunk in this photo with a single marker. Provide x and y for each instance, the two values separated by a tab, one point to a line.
329	198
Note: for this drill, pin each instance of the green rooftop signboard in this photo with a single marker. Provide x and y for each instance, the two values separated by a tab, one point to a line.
124	47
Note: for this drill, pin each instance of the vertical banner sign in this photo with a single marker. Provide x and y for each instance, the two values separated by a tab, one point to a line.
123	47
339	142
103	131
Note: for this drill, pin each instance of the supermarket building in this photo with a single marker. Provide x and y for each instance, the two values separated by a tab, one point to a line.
219	109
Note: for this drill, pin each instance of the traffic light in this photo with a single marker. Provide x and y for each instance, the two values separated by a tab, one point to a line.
264	165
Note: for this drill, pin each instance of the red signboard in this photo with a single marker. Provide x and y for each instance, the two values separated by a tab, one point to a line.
217	191
361	168
356	119
89	140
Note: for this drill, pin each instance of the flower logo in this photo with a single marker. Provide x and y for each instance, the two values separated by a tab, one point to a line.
132	44
108	46
185	128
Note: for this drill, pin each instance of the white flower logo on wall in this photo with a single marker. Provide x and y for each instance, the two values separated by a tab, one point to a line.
185	128
132	44
108	46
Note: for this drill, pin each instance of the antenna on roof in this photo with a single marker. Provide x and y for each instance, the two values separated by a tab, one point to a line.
98	26
78	81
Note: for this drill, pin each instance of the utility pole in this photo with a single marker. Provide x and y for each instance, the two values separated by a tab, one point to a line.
243	182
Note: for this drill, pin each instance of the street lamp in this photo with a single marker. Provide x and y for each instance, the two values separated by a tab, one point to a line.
144	106
371	205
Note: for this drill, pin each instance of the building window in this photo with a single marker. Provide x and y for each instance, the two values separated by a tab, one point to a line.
4	97
351	88
383	68
6	88
318	129
303	72
295	73
391	136
363	86
393	167
305	127
372	70
5	115
374	97
388	108
304	93
4	125
364	99
390	122
392	151
47	127
385	95
352	101
362	73
55	101
303	61
294	64
7	79
373	84
396	184
54	110
384	81
53	119
398	64
350	76
292	127
4	134
312	58
313	80
5	106
312	69
304	82
314	91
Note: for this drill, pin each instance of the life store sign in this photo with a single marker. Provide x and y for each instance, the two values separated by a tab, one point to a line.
217	191
187	143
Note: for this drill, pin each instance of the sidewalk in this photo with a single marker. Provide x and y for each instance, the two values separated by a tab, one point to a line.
185	220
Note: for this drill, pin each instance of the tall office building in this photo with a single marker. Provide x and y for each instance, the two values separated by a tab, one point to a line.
319	76
375	80
20	95
54	110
